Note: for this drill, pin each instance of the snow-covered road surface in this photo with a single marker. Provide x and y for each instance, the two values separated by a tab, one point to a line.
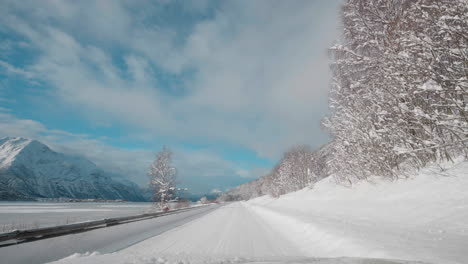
234	233
104	240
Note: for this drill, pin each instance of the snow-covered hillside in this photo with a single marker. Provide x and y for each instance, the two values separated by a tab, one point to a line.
30	169
423	219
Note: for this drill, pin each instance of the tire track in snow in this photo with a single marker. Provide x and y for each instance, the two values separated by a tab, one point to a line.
237	233
311	240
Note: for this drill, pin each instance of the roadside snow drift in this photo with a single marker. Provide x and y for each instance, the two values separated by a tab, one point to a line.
423	218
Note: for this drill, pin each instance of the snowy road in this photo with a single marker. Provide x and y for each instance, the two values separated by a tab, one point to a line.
104	240
234	233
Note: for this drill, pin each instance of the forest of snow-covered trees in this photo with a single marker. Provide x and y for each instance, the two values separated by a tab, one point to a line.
398	96
298	168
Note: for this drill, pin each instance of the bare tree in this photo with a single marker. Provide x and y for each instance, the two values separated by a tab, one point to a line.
163	178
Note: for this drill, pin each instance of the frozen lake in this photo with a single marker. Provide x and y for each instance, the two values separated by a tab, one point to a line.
26	215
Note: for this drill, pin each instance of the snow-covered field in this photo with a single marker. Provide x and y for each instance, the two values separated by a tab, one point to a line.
424	218
105	240
26	215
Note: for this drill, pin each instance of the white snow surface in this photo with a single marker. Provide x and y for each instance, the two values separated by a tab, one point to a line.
423	219
26	151
27	215
10	148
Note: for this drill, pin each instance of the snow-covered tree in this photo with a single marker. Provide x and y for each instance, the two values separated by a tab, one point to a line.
204	200
399	90
162	176
398	97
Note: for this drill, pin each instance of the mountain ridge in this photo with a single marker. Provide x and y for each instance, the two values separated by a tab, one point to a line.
29	169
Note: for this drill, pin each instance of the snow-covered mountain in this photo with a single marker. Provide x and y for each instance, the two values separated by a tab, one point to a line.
30	169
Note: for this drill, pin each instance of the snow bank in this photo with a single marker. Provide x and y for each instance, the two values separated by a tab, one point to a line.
424	217
430	196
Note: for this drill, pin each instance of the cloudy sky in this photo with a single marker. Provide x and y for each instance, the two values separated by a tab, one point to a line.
228	85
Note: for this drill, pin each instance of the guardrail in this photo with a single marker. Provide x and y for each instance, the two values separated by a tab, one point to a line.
22	236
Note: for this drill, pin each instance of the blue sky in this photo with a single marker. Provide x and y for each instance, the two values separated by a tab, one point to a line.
228	85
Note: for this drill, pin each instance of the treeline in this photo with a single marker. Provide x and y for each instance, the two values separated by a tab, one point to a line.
398	96
298	168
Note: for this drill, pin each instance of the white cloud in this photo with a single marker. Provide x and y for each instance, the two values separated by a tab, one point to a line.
260	78
10	69
254	74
